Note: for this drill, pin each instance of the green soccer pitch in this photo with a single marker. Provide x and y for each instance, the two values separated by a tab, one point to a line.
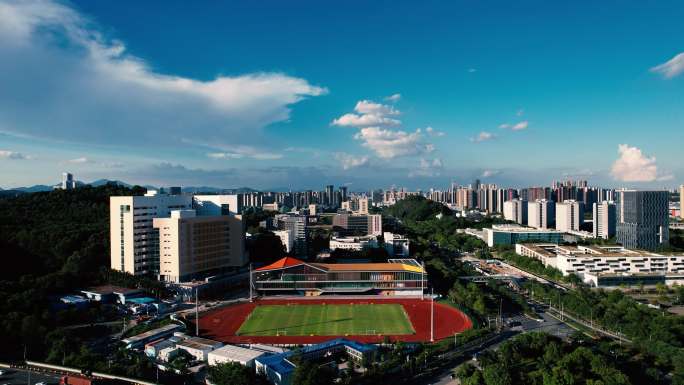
326	320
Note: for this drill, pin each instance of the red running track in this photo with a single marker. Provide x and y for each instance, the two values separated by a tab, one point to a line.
222	324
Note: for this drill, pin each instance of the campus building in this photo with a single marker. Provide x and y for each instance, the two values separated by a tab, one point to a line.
358	224
515	210
194	247
569	215
606	266
643	219
541	214
512	234
134	242
604	219
397	276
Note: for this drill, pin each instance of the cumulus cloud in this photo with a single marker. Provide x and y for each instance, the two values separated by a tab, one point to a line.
89	89
349	161
672	67
369	113
79	160
482	137
391	144
13	155
634	166
393	98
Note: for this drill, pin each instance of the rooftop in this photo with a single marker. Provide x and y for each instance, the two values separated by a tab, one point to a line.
199	343
151	333
337	267
111	289
237	353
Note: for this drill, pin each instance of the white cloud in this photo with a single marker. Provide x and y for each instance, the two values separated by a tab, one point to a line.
89	89
672	67
393	98
483	137
240	151
13	155
351	161
472	70
634	166
427	168
365	120
515	127
490	173
391	144
504	125
79	160
520	112
367	114
432	132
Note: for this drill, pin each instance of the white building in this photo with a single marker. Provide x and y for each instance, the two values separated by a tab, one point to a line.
608	265
681	201
217	204
512	234
515	210
231	353
353	243
569	215
199	347
540	214
68	182
363	205
134	242
604	215
194	247
286	238
396	245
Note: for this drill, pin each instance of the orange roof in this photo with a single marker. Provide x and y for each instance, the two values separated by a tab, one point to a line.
282	263
367	267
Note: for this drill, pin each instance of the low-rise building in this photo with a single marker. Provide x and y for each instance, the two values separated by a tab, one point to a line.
353	243
396	245
232	353
199	347
608	265
512	234
139	340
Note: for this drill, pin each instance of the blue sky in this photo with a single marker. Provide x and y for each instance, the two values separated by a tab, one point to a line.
299	94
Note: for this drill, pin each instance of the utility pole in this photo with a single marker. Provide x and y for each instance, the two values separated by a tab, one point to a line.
196	313
250	282
422	282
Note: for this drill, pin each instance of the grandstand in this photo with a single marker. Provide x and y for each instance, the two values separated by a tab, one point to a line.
293	276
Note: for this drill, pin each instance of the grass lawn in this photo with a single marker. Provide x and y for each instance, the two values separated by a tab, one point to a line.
326	320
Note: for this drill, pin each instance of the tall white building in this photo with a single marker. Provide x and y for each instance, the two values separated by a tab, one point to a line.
604	215
68	182
681	201
540	214
515	210
286	238
569	215
134	242
217	204
363	205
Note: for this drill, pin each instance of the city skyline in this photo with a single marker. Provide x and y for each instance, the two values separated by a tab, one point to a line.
271	96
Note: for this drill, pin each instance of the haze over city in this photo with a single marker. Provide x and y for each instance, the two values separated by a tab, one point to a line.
274	95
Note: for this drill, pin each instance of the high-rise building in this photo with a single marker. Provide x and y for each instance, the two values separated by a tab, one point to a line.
329	196
68	182
569	215
540	214
681	201
298	226
207	205
604	219
194	247
363	205
286	238
357	224
515	210
343	193
643	219
134	242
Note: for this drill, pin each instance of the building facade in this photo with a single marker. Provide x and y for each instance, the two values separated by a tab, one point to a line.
540	214
642	219
515	210
353	224
604	215
195	247
134	242
511	234
569	215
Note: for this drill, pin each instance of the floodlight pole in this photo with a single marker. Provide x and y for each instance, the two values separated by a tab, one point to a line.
196	312
432	315
422	282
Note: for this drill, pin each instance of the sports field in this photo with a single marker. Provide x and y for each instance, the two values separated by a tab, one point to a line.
326	320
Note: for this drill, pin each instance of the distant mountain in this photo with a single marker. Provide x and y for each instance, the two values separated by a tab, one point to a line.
102	182
35	188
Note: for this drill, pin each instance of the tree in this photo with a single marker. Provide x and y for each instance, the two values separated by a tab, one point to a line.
231	373
312	373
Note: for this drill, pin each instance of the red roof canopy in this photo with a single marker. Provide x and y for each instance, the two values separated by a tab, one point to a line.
282	263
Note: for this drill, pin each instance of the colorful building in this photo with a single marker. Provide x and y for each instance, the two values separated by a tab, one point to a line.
395	277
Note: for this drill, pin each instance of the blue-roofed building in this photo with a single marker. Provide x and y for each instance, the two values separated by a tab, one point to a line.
278	368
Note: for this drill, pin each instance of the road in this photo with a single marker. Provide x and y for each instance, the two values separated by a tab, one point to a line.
550	325
21	377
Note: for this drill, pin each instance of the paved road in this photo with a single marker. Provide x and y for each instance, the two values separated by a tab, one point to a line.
21	377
